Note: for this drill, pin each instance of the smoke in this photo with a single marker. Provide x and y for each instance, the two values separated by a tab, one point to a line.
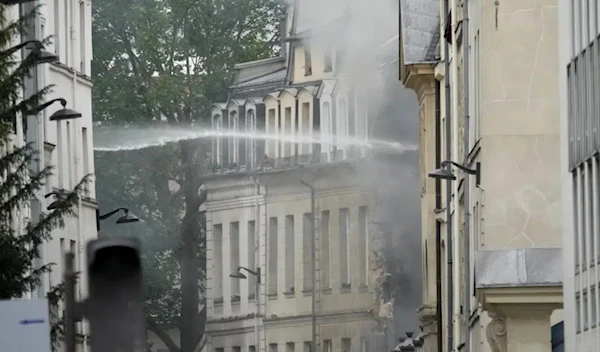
370	46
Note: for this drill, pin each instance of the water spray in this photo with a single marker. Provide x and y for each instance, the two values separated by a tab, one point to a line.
167	136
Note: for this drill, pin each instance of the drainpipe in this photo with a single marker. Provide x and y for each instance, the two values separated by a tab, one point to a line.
438	225
466	233
256	260
313	264
449	251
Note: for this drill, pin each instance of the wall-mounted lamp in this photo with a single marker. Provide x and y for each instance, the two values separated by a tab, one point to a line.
238	274
125	219
59	115
444	173
43	57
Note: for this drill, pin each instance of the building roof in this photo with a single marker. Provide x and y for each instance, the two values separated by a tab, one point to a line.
420	30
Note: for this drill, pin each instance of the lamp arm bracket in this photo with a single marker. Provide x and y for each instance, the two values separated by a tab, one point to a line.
109	214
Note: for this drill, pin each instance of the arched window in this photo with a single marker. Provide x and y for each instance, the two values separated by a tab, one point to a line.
251	141
330	120
218	145
234	139
343	117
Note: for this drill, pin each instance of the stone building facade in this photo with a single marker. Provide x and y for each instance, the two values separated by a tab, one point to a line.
285	202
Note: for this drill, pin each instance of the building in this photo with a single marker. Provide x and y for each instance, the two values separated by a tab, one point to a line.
580	143
274	202
491	193
66	145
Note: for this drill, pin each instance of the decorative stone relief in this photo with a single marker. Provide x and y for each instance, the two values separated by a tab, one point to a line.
496	333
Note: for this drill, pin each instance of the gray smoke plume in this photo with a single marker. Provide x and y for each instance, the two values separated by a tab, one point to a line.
371	46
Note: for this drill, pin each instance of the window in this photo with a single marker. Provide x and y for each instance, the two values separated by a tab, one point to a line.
272	130
351	120
67	24
307	346
343	116
218	142
344	248
325	260
576	232
589	215
363	245
290	347
272	347
73	249
234	140
328	62
346	345
327	118
585	311
219	350
289	254
364	344
57	21
69	157
272	256
327	346
594	302
252	258
578	312
307	60
287	145
307	250
217	261
305	123
236	349
82	38
252	348
62	251
251	142
86	154
234	233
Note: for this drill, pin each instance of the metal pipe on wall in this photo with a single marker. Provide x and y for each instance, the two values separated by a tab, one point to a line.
467	202
257	262
438	225
449	251
313	264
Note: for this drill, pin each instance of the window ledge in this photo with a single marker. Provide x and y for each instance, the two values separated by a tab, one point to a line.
219	300
363	288
272	296
326	291
289	294
235	299
307	292
346	288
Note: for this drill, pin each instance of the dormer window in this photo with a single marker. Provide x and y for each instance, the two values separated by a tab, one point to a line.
307	60
328	62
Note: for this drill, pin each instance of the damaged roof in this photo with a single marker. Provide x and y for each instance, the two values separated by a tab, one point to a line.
420	26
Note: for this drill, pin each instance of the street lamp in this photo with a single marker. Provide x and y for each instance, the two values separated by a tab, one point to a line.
42	58
56	203
238	274
62	114
444	173
125	219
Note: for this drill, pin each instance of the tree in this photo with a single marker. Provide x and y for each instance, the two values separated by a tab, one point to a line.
19	245
168	60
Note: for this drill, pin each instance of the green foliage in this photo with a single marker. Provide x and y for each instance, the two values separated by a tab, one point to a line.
169	60
19	245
